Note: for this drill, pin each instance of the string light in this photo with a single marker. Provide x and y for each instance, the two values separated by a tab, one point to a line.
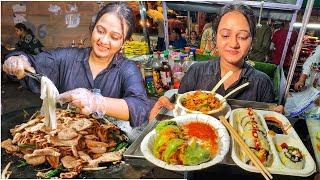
310	25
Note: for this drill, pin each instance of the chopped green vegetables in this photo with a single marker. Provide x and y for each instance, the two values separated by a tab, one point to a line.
195	154
53	172
163	124
22	163
121	145
26	146
25	113
172	147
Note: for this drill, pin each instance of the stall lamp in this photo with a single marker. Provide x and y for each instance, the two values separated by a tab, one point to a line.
310	25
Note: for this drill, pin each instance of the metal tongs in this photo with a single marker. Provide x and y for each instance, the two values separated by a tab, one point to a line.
33	75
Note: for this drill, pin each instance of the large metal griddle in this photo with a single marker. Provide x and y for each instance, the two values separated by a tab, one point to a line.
10	120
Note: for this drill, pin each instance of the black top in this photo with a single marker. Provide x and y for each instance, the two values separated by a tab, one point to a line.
68	68
205	75
29	44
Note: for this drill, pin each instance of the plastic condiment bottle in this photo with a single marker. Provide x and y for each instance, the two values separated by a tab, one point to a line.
156	66
166	75
177	66
186	64
151	90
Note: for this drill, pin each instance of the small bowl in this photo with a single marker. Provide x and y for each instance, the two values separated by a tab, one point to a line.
218	96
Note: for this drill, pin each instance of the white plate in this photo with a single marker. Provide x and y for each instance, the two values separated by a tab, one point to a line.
224	143
177	111
170	92
222	101
313	128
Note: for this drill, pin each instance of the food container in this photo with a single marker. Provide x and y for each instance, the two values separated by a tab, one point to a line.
218	96
180	112
223	143
279	164
314	132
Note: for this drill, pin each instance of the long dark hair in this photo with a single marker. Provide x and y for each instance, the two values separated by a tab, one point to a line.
124	13
24	28
243	9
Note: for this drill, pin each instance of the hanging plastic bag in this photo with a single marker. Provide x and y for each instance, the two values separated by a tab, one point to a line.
301	101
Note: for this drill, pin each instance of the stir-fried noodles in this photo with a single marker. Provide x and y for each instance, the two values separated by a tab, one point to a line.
201	101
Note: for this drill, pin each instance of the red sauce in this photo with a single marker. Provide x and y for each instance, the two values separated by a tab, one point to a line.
203	131
284	146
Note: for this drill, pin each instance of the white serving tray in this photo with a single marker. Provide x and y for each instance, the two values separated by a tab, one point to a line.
313	128
291	138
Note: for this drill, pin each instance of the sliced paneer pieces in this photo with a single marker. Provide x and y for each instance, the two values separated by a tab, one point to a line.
70	162
81	124
107	157
85	157
7	145
67	134
34	160
21	127
97	147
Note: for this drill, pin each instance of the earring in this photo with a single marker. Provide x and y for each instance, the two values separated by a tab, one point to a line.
121	49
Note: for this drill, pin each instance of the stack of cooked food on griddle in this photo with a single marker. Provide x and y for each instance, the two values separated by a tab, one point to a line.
79	142
254	135
189	144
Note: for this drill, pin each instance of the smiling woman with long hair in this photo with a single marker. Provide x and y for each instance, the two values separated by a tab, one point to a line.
98	79
233	30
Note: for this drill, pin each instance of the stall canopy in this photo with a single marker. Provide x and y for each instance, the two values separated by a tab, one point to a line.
274	9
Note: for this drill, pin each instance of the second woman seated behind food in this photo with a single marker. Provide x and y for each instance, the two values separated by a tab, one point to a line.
234	30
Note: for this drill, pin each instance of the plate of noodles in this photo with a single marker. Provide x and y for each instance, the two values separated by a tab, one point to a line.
186	143
201	102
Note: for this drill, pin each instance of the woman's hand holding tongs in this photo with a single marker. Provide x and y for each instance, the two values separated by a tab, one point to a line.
17	66
85	101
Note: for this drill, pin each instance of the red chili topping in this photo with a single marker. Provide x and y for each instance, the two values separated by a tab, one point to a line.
258	145
250	111
203	131
254	133
284	146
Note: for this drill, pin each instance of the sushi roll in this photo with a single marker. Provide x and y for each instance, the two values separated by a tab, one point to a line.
244	116
291	156
258	144
254	135
256	140
251	126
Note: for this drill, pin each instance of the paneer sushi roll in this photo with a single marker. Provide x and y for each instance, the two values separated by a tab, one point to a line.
252	126
291	156
258	143
244	116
